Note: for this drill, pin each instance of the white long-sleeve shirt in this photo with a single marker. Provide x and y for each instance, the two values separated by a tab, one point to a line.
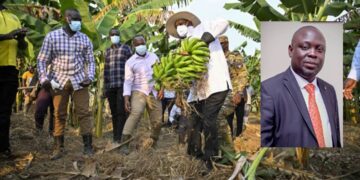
169	93
355	65
138	73
217	77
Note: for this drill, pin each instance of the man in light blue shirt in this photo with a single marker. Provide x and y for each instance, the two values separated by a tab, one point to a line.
354	74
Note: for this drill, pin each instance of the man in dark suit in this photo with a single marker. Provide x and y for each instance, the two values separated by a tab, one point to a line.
297	108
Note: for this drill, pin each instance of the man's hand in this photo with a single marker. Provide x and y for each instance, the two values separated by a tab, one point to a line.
350	84
127	104
85	83
160	95
236	98
46	85
207	38
18	34
21	34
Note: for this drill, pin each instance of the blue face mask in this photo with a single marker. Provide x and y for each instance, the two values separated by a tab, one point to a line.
141	50
75	26
115	39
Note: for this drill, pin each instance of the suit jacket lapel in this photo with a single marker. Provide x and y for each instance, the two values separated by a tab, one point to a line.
291	84
325	93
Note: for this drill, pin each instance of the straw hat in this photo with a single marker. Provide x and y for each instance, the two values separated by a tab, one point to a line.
170	24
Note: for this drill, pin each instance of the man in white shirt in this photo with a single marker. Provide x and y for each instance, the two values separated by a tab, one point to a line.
297	108
139	92
208	97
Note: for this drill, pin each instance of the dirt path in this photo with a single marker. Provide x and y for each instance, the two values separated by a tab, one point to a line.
167	161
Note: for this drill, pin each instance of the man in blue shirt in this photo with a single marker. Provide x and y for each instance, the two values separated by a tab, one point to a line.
114	72
354	74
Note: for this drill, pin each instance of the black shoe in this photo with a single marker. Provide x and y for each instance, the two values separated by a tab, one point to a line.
167	124
208	168
208	165
88	149
6	154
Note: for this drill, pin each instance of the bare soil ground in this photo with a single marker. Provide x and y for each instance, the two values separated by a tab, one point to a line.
31	159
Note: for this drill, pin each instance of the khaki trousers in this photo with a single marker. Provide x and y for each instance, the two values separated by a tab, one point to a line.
139	101
81	101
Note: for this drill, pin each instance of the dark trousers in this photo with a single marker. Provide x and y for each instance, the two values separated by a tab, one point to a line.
182	128
205	119
8	90
240	111
43	102
167	103
118	113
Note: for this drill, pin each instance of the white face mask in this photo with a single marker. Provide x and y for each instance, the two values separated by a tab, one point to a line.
115	39
182	30
141	50
75	26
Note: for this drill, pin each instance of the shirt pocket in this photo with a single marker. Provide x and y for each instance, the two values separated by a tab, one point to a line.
80	48
60	47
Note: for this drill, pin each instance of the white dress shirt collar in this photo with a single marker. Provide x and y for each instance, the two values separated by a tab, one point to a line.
303	82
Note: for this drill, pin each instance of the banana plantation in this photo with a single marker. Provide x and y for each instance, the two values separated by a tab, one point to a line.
168	160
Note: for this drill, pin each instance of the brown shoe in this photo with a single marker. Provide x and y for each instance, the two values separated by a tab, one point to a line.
124	149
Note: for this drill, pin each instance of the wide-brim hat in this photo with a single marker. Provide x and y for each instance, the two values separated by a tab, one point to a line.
170	24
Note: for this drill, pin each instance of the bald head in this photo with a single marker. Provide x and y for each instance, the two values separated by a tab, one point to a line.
307	30
138	40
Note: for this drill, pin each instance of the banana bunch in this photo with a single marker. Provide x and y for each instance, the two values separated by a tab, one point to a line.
178	70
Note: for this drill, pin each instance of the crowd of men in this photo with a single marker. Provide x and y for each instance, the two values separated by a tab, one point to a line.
66	67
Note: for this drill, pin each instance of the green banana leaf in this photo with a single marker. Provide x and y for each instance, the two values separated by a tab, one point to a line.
336	8
32	22
107	21
246	31
88	26
128	33
160	4
259	8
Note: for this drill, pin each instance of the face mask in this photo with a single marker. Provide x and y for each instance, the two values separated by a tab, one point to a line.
141	50
182	30
115	39
75	25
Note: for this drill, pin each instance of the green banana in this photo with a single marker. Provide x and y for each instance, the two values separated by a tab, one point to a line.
177	70
200	53
198	45
192	43
198	59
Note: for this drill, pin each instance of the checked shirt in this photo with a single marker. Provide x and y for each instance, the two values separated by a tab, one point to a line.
114	71
71	58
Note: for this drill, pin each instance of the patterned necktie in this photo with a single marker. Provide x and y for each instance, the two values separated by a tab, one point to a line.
315	115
